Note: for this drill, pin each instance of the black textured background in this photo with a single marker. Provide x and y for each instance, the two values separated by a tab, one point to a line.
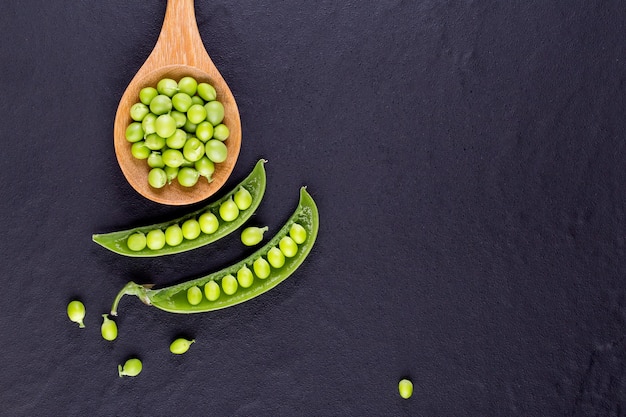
468	161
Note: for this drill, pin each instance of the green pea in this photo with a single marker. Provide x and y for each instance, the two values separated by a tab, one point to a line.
211	291
214	112
252	235
136	241
229	210
161	104
134	132
108	328
148	124
229	284
194	295
173	158
288	247
188	85
221	132
196	113
216	151
208	222
197	100
139	150
261	268
243	198
297	233
171	173
179	118
155	160
245	277
177	140
138	111
204	131
275	257
193	149
180	345
405	388
205	167
76	312
173	235
155	239
207	91
191	229
165	126
132	367
167	86
187	177
146	95
154	141
190	127
157	178
181	102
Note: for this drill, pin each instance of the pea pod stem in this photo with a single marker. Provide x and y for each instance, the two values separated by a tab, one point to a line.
132	288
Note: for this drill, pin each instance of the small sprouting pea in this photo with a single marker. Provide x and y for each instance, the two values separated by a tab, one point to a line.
194	295
211	291
146	95
134	132
132	367
288	247
191	229
173	235
180	345
243	198
221	132
275	257
108	328
76	312
136	241
208	222
297	233
157	178
252	235
261	268
229	210
245	277
155	239
405	388
229	284
207	91
188	85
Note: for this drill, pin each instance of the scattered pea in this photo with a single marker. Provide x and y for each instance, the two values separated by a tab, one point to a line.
132	367
405	388
180	345
108	328
245	277
194	295
136	241
275	257
243	199
229	284
261	268
288	247
253	235
229	210
212	291
76	312
297	233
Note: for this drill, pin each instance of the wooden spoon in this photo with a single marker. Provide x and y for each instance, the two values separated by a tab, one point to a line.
178	52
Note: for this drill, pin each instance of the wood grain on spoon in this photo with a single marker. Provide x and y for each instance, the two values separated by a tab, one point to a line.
179	52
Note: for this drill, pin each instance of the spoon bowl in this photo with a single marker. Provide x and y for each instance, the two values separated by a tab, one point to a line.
179	52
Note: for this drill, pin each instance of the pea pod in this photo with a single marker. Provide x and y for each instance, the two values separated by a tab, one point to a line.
174	298
124	242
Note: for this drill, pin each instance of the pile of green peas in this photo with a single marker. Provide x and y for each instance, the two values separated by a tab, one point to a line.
178	128
261	267
190	229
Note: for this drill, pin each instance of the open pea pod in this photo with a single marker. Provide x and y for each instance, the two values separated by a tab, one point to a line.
254	184
249	278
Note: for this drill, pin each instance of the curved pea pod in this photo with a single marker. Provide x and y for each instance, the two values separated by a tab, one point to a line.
254	183
174	298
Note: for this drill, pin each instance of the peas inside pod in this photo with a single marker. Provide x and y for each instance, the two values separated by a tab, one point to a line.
178	128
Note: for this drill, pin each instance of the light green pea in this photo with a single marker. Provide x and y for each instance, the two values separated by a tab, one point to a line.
229	284
173	235
167	86
180	345
181	102
211	291
173	158
188	177
405	388
138	111
134	132
194	295
221	132
76	312
132	367
177	140
155	239
155	160
253	235
216	151
108	328
193	149
288	247
179	118
191	229
154	142
165	126
171	173
243	198
204	131
161	104
275	257
208	222
297	233
207	91
214	112
245	277
136	241
157	178
188	85
261	268
197	100
229	210
196	113
139	150
205	167
148	124
146	95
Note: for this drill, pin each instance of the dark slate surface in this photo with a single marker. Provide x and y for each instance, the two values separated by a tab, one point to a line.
468	161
